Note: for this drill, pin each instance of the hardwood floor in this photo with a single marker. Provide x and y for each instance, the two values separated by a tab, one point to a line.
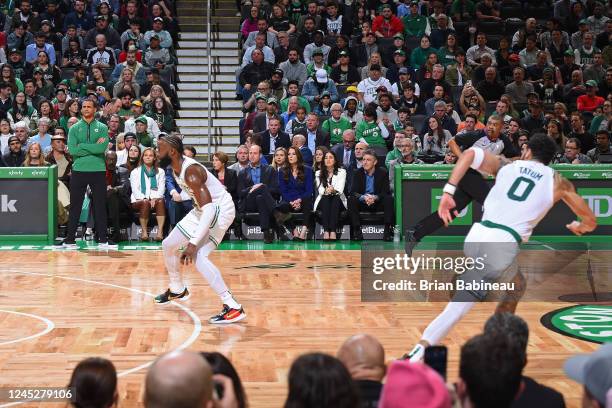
100	304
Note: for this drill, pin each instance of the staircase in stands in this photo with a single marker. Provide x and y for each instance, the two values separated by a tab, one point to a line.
192	69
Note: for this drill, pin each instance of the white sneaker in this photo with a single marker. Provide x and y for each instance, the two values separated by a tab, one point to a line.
105	246
66	246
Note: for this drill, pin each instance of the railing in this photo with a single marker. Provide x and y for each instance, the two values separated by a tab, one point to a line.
209	52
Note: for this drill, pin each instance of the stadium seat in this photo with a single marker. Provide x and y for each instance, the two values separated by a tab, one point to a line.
512	26
489	27
511	12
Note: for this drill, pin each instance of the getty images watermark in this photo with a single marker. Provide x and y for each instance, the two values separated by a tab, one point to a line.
483	271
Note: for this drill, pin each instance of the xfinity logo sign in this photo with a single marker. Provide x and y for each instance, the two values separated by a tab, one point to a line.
600	204
6	205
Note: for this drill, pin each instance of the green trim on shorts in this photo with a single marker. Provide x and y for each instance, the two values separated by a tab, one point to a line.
182	231
214	241
216	218
509	230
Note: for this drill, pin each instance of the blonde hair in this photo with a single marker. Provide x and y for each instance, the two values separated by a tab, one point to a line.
28	159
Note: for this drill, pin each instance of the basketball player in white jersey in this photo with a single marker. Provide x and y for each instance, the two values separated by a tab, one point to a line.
523	193
200	232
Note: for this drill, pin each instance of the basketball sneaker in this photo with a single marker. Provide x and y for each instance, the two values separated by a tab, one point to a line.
228	315
416	355
168	296
66	245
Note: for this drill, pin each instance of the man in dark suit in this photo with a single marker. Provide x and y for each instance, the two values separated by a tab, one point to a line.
299	142
345	156
258	191
315	137
272	138
370	192
118	192
260	123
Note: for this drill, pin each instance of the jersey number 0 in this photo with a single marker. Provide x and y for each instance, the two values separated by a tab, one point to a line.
520	189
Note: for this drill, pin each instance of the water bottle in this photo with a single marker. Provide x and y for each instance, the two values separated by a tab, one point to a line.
396	234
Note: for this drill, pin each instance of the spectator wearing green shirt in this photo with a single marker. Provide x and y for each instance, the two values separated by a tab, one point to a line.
370	131
336	124
419	55
87	143
415	25
293	89
463	10
77	86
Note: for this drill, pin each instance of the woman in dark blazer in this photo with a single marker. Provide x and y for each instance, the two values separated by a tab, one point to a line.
296	185
227	177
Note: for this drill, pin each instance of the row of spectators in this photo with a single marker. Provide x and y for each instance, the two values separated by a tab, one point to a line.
491	367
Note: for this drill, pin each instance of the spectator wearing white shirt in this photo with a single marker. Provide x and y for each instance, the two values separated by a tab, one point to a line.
474	53
317	43
130	124
367	87
148	184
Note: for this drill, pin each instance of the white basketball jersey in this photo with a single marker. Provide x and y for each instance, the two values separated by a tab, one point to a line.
217	191
522	195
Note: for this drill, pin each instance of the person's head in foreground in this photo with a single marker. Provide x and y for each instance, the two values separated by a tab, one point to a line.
94	384
594	372
322	381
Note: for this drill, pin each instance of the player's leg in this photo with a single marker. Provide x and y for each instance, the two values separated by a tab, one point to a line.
170	247
232	310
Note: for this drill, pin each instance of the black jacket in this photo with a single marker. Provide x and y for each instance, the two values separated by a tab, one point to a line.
10	160
322	138
254	74
381	183
269	177
263	140
230	182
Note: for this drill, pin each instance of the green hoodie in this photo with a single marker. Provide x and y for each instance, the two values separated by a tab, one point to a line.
88	155
336	128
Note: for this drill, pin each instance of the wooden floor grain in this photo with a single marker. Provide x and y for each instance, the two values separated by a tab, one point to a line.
296	301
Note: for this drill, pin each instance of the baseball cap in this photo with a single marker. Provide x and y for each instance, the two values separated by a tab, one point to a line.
129	135
343	53
594	371
272	100
320	32
13	139
14	51
569	53
58	137
385	6
100	17
260	96
583	21
414	2
158	19
37	69
321	76
325	94
141	119
47	22
399	35
417	383
352	88
591	82
136	103
279	71
399	52
534	94
155	37
403	70
317	51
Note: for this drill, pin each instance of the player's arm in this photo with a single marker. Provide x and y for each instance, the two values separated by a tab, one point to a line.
474	158
195	178
564	190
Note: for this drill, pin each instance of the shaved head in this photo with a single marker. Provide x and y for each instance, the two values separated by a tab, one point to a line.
364	357
179	379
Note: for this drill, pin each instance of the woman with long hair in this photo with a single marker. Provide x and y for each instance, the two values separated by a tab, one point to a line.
133	158
148	184
161	112
426	69
8	76
72	109
601	122
514	132
250	22
375	59
447	53
507	99
34	156
554	130
45	110
127	79
319	155
94	384
279	160
21	111
296	184
98	77
50	72
156	91
437	138
560	113
104	9
329	182
502	53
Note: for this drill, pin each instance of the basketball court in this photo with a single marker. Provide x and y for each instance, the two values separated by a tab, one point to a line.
57	308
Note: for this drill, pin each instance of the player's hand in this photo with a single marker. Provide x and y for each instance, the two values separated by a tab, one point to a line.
188	255
579	228
447	204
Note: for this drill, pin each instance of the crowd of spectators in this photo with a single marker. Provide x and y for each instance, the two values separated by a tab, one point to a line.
57	54
491	374
380	83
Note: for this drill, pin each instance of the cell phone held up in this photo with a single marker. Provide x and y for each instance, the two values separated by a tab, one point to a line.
436	358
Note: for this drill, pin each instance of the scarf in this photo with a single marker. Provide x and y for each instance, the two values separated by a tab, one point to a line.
151	175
